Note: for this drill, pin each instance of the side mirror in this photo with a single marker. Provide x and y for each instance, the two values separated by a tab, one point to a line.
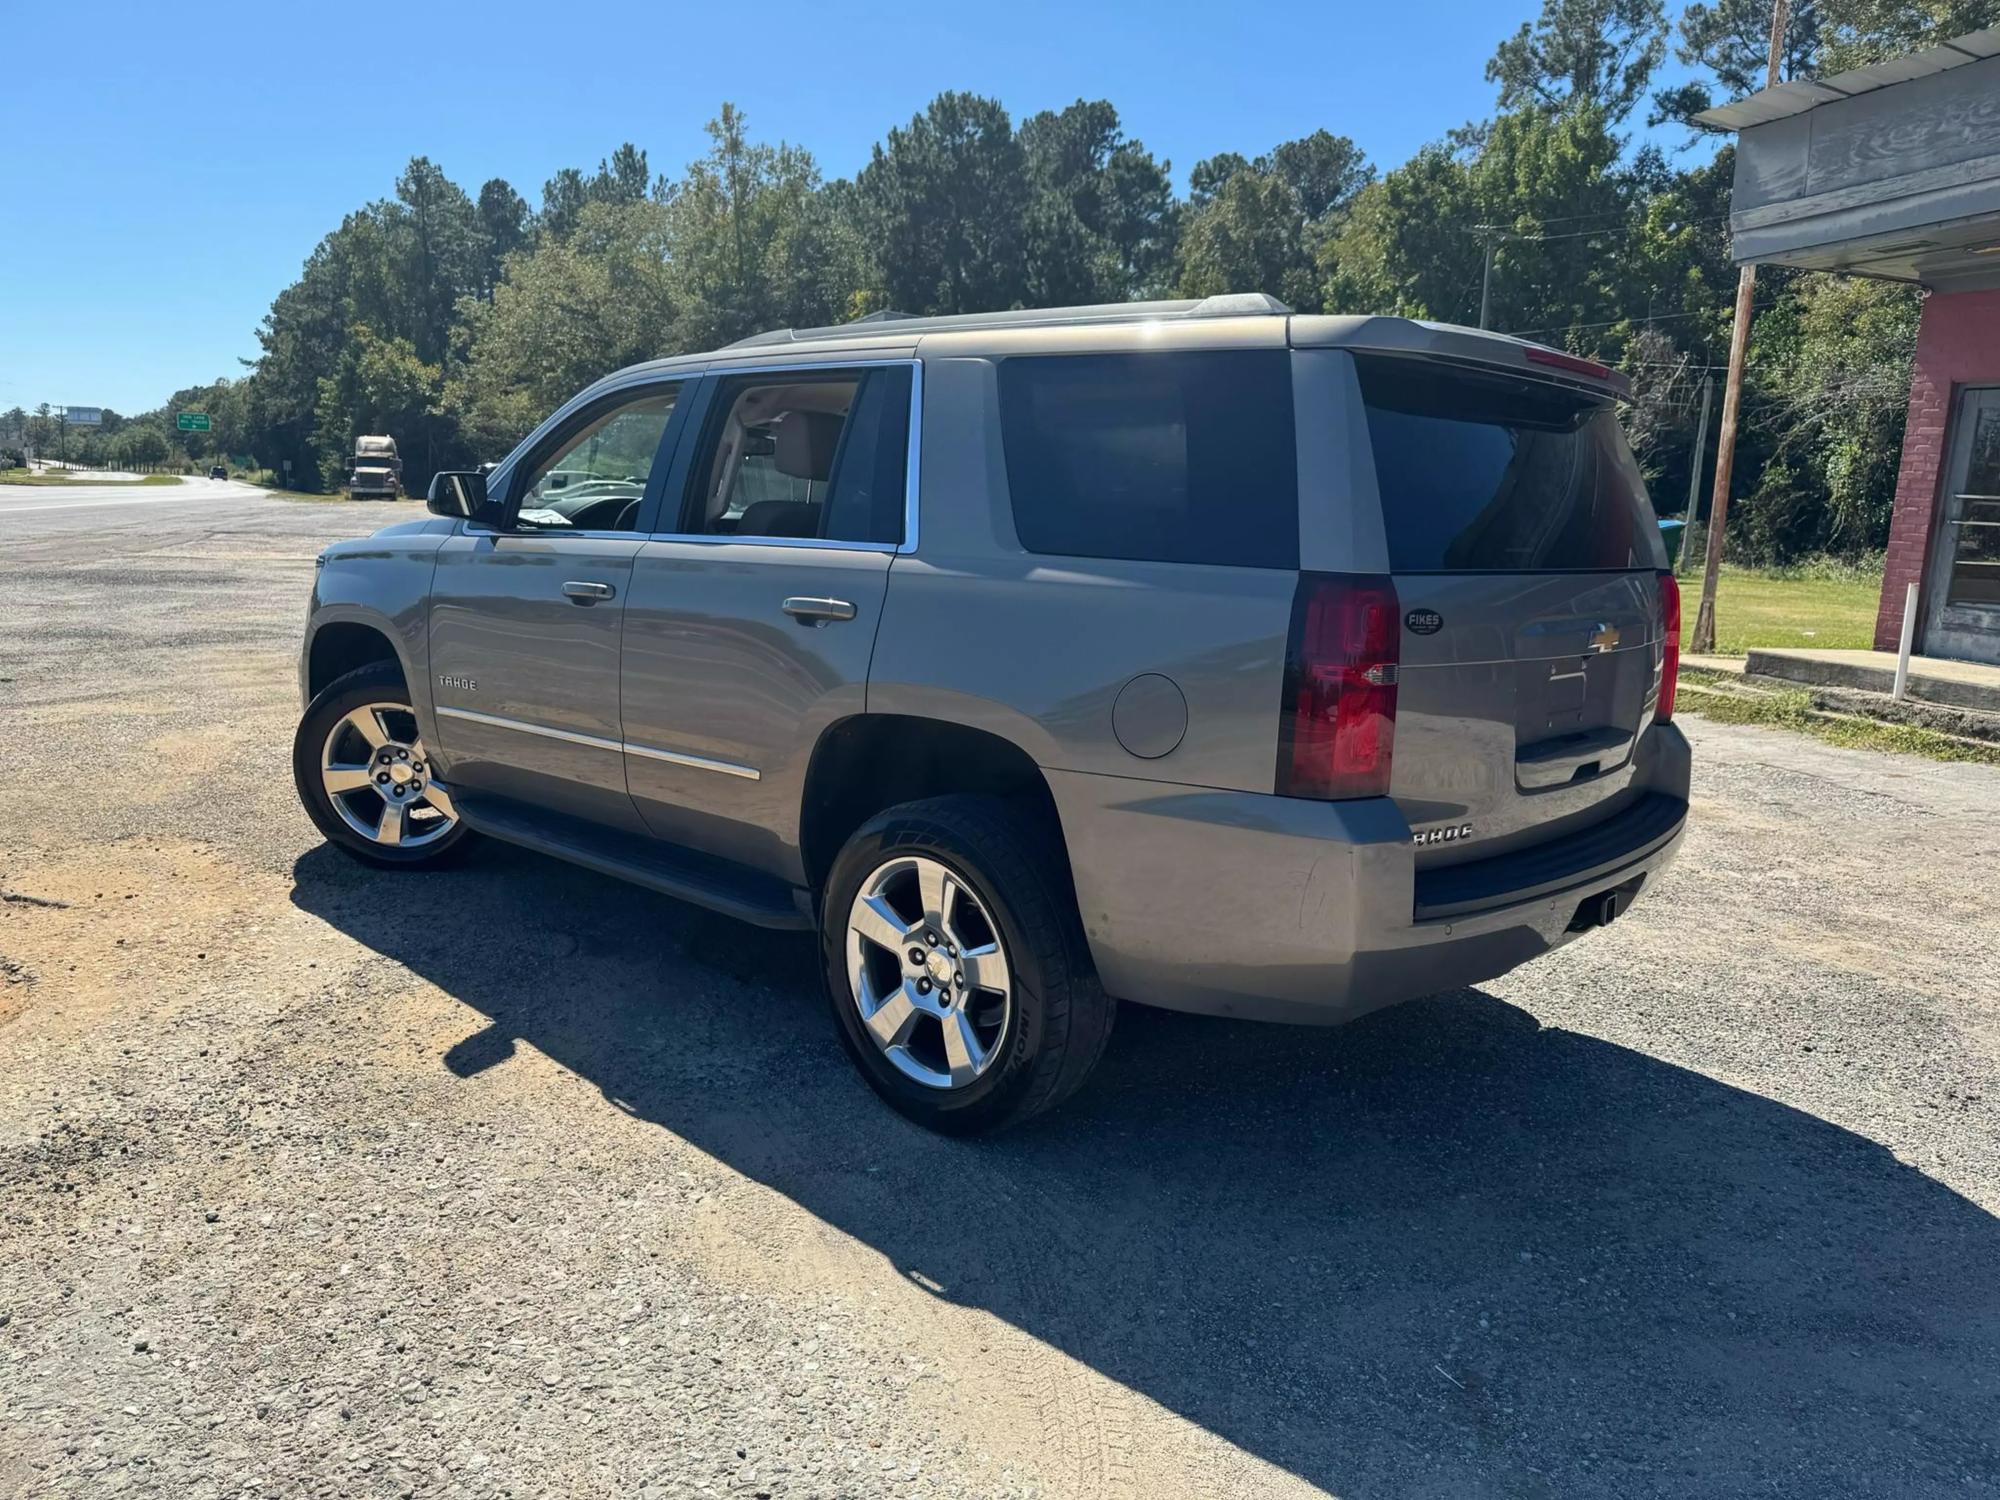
458	493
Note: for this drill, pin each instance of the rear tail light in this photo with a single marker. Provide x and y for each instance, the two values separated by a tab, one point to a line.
1670	655
1338	725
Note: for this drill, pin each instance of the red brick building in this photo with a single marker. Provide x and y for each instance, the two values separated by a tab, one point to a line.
1893	171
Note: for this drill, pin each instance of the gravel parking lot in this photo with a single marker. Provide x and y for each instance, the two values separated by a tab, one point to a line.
516	1181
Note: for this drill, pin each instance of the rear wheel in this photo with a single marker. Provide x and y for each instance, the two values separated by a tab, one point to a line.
956	967
365	775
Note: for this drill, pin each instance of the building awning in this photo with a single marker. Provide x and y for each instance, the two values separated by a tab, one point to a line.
1796	97
1890	171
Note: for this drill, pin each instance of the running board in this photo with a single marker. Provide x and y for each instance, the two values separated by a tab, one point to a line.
699	879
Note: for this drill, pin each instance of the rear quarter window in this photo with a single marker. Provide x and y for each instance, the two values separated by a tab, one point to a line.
1167	457
1497	474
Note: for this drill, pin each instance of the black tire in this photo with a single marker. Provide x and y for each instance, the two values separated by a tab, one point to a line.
378	682
1015	867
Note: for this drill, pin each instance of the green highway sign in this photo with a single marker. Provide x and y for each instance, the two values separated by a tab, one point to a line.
192	421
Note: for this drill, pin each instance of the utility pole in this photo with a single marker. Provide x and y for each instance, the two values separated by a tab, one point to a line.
1694	474
1486	233
1703	639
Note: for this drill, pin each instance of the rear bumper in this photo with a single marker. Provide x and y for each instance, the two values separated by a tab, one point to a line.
1274	908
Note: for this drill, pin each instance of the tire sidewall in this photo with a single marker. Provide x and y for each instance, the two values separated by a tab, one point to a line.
373	684
993	1097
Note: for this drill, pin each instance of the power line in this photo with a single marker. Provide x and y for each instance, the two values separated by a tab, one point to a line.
1583	234
1606	213
1587	234
1521	333
1613	213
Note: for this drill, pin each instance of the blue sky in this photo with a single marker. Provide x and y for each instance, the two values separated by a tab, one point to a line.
166	187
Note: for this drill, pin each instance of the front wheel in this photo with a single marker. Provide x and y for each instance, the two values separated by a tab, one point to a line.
956	966
365	776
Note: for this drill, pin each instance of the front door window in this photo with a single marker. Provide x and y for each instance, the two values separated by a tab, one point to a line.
595	479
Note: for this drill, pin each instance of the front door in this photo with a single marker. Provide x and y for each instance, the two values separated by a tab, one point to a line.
1964	584
525	621
751	624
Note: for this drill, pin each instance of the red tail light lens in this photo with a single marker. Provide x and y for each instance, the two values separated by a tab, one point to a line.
1339	715
1670	657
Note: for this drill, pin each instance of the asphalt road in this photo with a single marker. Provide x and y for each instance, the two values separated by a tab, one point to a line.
86	500
515	1181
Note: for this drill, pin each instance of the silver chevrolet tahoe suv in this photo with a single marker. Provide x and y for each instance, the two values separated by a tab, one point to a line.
1187	653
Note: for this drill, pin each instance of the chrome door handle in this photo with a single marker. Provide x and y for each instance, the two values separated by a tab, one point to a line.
818	611
589	593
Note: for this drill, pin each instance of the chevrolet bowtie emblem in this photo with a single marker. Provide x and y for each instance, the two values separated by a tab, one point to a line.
1605	638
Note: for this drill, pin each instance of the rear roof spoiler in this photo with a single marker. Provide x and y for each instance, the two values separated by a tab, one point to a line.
1462	346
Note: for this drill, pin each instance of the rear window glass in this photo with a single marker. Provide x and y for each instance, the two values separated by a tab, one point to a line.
1154	457
1495	474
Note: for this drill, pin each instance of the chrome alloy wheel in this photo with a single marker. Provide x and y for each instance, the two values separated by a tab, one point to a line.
377	775
927	972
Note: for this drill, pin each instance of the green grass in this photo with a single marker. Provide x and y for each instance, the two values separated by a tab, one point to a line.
43	480
1792	708
1828	609
1824	606
338	497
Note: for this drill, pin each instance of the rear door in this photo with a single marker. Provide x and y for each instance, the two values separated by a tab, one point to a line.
1525	555
751	620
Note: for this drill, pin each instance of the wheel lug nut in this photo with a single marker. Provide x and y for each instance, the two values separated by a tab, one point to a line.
382	777
923	986
917	956
959	980
931	938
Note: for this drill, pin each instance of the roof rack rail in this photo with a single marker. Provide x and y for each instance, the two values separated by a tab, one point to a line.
1225	305
1238	305
791	335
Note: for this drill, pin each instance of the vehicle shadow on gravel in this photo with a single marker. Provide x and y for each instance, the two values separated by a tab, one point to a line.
1443	1251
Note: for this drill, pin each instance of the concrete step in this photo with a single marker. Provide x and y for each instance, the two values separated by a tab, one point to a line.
1729	665
1972	686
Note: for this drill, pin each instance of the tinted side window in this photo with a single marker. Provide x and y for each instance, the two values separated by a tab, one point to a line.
1498	474
1154	457
816	455
768	458
871	479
